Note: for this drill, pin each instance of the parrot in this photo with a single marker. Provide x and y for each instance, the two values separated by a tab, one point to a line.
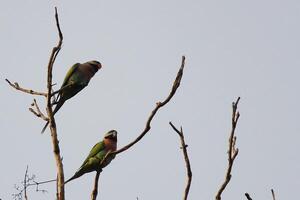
77	78
94	161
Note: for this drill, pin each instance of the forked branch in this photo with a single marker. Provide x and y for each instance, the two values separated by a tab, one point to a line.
232	150
55	143
187	160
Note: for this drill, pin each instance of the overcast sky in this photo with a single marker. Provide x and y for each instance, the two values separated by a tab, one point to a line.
233	48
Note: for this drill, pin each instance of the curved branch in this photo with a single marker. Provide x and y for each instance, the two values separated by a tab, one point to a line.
28	91
187	160
176	84
232	150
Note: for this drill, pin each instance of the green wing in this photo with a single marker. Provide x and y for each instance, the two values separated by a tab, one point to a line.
95	150
69	73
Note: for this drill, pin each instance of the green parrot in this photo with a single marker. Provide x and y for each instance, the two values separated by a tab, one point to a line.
77	78
94	161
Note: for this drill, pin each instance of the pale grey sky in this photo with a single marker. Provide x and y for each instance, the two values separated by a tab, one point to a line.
232	48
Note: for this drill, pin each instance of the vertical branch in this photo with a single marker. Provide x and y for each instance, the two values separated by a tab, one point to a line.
273	194
25	183
55	142
95	190
187	161
232	150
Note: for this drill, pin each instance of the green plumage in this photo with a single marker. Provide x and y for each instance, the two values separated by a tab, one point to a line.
77	78
94	161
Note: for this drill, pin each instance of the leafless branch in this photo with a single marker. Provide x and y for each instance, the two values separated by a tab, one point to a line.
232	150
25	184
248	196
55	142
187	161
95	190
273	194
28	91
176	84
37	112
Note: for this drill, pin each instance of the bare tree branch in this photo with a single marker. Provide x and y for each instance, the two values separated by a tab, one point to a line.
176	84
187	161
28	91
273	194
232	150
25	184
37	112
55	142
248	196
95	190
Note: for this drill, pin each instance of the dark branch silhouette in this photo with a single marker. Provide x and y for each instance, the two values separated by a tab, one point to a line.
248	196
273	194
232	150
187	160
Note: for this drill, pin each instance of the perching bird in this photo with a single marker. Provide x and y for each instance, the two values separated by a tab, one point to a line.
94	161
77	78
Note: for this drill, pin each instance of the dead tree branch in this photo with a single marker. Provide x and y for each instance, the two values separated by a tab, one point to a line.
28	91
50	117
95	190
55	142
232	150
248	196
176	84
187	161
273	194
26	183
37	112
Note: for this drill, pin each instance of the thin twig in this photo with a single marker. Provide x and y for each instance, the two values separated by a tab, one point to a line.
95	190
25	183
273	194
37	112
41	183
55	143
176	84
187	160
28	182
28	91
248	196
232	150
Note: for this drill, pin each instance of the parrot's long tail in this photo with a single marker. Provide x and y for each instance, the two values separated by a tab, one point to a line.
44	128
58	106
76	175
